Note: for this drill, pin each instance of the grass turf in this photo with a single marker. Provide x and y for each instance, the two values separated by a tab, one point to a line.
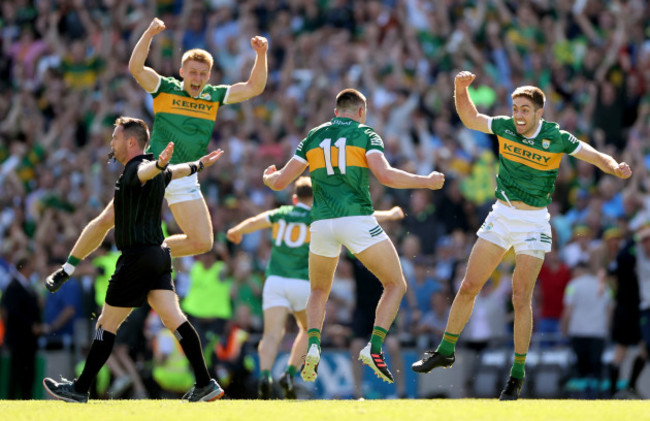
334	410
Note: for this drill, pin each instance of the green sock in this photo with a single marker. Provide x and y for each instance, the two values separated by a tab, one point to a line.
377	339
518	365
291	370
314	338
267	374
448	344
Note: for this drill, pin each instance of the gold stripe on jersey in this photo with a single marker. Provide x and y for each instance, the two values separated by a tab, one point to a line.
185	106
355	157
528	156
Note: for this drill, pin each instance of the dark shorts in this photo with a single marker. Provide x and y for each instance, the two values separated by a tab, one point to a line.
626	329
138	271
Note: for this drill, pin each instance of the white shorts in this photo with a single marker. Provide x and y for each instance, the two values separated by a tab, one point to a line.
285	292
356	233
527	231
183	189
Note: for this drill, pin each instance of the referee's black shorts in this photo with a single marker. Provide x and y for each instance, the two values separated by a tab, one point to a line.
138	271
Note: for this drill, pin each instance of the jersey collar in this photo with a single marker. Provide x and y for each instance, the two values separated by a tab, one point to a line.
539	129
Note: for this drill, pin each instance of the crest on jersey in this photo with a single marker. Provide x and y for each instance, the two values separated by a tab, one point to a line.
546	143
206	96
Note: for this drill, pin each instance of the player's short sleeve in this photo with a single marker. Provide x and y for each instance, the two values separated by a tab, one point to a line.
500	123
570	143
375	142
301	150
165	84
273	215
218	93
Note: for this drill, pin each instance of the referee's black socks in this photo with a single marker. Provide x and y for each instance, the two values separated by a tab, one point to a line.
100	350
189	340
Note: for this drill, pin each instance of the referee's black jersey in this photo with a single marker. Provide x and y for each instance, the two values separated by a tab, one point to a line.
138	206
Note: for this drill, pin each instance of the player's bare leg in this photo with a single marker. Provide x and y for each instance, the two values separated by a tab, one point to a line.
193	217
274	321
382	260
297	356
321	274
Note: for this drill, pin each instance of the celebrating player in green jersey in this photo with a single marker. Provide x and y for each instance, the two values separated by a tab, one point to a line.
530	151
287	279
340	154
185	112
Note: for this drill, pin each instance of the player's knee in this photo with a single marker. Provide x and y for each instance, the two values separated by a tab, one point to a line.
521	301
469	288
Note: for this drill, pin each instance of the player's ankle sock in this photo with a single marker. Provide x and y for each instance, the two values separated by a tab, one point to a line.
377	339
98	354
518	366
191	344
314	338
266	374
292	370
71	264
448	344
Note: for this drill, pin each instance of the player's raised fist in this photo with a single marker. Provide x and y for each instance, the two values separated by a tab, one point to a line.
436	180
623	170
156	26
464	79
259	44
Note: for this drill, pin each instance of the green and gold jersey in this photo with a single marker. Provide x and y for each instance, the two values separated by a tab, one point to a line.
186	121
528	168
290	251
336	154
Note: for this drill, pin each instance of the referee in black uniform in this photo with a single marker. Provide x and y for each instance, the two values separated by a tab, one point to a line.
143	271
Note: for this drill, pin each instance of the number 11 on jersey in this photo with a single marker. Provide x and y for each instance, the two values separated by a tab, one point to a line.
326	145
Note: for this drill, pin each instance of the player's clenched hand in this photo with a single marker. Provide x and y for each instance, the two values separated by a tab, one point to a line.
156	26
259	44
464	79
209	159
396	213
436	180
623	170
166	155
234	236
267	174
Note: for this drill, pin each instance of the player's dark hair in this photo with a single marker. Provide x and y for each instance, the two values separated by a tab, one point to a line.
134	127
302	188
533	93
349	100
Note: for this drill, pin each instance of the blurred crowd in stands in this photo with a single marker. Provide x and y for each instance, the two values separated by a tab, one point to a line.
64	80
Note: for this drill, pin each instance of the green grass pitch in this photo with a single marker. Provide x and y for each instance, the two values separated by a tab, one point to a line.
328	410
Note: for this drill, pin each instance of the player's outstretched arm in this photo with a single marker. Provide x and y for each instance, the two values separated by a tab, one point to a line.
398	179
393	214
279	179
247	226
465	107
257	81
606	163
189	168
145	76
94	232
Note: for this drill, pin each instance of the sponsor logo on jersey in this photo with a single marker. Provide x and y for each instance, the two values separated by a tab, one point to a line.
528	155
510	133
546	143
206	96
188	107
